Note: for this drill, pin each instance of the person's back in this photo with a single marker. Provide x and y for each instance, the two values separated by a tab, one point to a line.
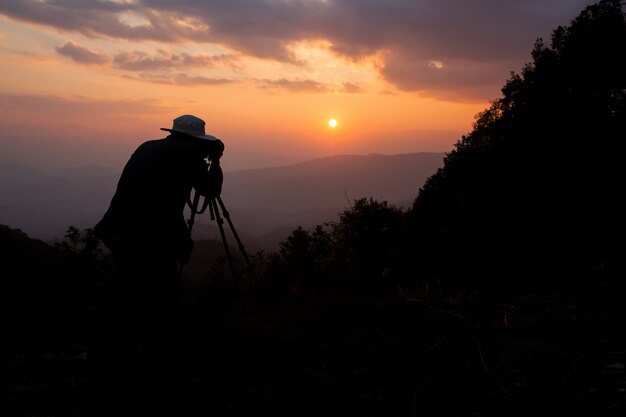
147	208
145	229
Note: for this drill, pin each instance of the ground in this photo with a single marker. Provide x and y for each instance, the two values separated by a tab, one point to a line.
558	353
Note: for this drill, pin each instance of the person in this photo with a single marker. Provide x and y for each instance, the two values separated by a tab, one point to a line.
145	229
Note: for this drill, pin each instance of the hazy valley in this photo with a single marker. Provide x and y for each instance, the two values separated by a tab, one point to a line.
265	204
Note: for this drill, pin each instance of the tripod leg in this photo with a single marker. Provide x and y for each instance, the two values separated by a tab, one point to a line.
193	206
229	258
242	249
194	209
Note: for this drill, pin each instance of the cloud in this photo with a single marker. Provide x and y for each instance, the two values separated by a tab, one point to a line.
298	86
57	107
478	42
452	79
184	79
169	78
153	67
81	55
111	19
141	61
351	88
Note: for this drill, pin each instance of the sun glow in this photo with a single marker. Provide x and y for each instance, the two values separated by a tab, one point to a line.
332	123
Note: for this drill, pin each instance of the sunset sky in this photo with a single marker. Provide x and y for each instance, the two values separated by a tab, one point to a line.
83	82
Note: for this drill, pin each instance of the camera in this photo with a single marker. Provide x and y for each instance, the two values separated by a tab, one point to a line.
216	149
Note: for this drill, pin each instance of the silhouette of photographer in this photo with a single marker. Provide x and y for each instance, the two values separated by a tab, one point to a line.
145	229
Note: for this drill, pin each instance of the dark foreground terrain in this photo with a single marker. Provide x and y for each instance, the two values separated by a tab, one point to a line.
558	353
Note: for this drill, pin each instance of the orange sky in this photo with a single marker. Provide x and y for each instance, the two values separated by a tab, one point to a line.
85	82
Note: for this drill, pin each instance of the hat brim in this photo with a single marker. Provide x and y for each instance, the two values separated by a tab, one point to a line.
203	137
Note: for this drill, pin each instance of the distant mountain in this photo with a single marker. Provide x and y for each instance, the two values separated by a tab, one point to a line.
264	203
14	175
269	203
43	204
331	182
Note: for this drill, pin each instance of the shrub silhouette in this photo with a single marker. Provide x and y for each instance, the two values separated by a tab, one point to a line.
537	183
358	253
370	235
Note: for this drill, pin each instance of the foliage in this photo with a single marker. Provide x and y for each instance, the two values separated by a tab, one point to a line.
42	283
357	253
370	235
92	260
536	184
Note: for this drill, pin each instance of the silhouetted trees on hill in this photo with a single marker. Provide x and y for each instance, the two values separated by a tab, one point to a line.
359	253
537	184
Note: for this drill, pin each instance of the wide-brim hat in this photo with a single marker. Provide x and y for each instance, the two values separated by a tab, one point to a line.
190	125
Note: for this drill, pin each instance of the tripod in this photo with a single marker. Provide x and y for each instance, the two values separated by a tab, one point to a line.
215	204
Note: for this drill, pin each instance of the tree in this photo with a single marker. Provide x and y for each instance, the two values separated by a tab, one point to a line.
369	235
538	181
361	252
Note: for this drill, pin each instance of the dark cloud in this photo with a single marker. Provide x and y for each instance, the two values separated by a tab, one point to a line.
154	68
102	18
451	79
141	61
298	86
479	42
80	54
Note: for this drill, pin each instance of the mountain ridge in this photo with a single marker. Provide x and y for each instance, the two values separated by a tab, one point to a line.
262	199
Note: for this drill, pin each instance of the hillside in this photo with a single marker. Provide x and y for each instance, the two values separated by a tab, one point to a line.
555	353
535	190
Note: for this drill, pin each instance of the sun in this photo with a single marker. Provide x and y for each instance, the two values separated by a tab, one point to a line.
332	123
